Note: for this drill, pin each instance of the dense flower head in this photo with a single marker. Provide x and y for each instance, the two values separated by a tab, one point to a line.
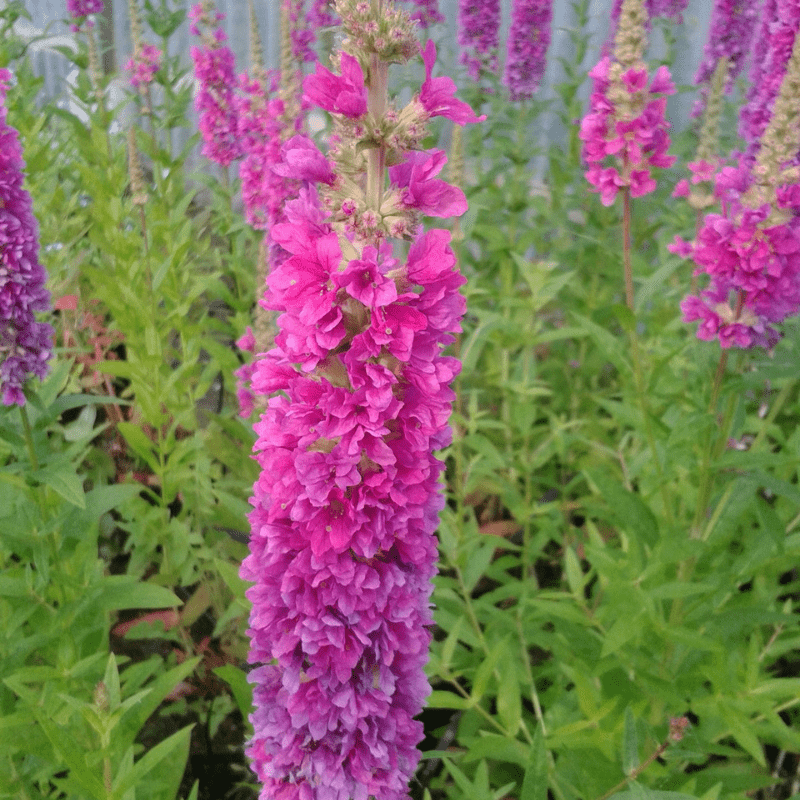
528	40
479	35
80	11
730	35
358	399
780	20
143	65
750	251
25	344
214	72
754	271
625	132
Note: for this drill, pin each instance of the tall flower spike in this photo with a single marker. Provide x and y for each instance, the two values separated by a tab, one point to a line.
25	344
479	35
215	99
729	38
779	25
81	12
751	251
528	40
625	132
344	511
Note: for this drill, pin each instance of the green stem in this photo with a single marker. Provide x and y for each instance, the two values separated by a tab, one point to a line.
636	354
636	772
29	438
626	246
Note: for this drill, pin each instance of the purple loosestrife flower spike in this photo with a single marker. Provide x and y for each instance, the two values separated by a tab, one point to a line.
780	23
215	99
625	132
528	40
344	511
479	35
143	65
729	37
80	11
25	344
751	251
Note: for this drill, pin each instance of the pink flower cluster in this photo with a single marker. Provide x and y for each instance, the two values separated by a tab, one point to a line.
342	544
754	266
479	35
215	99
426	12
732	25
79	10
25	344
143	65
780	21
621	147
528	40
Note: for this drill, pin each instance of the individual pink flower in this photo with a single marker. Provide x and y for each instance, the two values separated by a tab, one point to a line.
343	94
143	65
437	95
26	345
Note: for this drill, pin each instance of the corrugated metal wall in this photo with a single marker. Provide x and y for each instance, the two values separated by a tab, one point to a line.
47	19
47	22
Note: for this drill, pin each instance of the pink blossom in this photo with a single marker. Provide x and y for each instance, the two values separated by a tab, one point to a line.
26	345
528	40
479	35
619	149
215	100
80	10
340	94
437	95
143	65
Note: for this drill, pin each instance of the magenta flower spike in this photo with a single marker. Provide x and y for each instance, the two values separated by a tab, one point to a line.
479	35
528	40
344	511
751	250
81	12
143	65
779	25
26	345
215	100
730	35
625	132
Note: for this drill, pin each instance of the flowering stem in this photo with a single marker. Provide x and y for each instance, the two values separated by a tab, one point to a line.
637	771
626	245
635	353
29	438
376	103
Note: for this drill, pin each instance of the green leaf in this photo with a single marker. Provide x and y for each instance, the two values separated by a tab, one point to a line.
119	592
63	744
534	784
630	743
140	444
627	508
621	632
179	741
241	688
62	478
509	703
